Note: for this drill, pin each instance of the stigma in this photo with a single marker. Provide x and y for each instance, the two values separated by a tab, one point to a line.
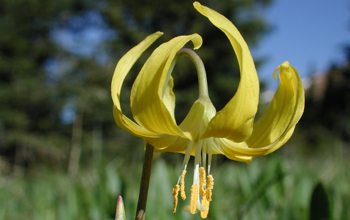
203	181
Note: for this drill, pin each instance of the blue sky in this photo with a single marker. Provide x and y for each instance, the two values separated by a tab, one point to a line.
309	34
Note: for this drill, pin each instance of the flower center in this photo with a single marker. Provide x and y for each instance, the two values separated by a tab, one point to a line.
203	182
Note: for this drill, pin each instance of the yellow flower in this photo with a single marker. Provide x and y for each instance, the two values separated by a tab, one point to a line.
231	131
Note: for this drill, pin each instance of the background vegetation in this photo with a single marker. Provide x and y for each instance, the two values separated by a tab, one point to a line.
63	157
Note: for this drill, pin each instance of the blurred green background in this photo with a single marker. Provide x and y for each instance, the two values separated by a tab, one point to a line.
63	157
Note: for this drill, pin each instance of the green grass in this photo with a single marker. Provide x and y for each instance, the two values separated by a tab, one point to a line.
272	187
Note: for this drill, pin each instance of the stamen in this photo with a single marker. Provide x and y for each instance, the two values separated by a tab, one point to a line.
204	153
205	203
175	194
187	155
202	182
182	184
201	190
208	192
181	180
210	154
194	198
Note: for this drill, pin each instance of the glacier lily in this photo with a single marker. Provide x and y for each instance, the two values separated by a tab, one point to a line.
204	132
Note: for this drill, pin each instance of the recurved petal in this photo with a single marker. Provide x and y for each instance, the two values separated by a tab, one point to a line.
122	69
235	120
151	95
277	124
283	113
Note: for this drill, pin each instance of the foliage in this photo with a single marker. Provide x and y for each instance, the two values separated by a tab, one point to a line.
29	116
270	188
329	112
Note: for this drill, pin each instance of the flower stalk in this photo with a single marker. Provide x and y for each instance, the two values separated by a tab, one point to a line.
202	76
146	174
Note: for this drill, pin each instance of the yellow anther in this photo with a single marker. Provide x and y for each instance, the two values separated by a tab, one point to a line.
182	184
205	203
176	190
194	199
202	182
210	187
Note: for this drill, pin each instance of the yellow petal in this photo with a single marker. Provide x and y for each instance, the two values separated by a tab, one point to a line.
152	99
283	113
122	69
194	123
235	120
190	124
277	124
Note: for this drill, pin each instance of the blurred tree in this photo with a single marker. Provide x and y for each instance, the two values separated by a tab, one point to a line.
57	60
30	126
327	111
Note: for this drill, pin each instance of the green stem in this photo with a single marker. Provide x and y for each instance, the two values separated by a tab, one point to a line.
202	76
146	174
